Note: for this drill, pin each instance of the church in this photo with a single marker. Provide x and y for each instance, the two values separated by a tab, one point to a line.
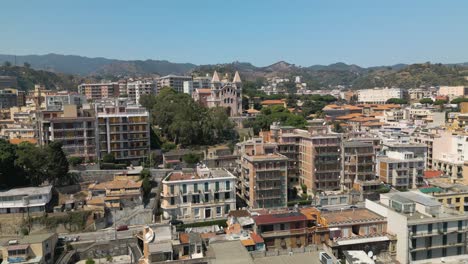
226	94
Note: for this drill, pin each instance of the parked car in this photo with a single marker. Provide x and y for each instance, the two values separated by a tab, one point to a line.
176	222
122	228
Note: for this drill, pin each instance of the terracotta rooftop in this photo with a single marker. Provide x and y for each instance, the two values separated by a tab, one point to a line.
350	216
239	213
268	219
252	111
256	238
272	102
204	91
115	184
17	141
248	242
432	174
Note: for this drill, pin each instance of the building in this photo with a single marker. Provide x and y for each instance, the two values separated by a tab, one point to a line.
416	94
226	94
424	228
116	193
454	196
449	150
22	200
8	98
97	91
38	248
263	174
379	95
136	89
357	229
401	169
74	128
56	102
201	96
122	130
174	81
453	91
198	196
197	83
359	167
8	82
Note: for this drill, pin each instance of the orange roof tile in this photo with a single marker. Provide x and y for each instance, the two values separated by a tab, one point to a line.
17	141
433	174
252	111
184	238
203	91
248	242
256	238
273	102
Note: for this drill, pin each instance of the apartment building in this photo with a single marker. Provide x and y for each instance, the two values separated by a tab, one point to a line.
56	102
174	81
319	161
416	94
136	89
359	167
116	193
453	91
203	82
449	150
357	229
286	229
122	129
8	82
198	196
37	248
454	196
426	137
401	169
8	98
74	128
22	200
97	91
379	95
263	174
425	229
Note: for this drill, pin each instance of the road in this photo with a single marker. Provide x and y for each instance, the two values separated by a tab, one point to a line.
106	234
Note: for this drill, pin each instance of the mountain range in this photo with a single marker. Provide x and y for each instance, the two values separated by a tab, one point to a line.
316	76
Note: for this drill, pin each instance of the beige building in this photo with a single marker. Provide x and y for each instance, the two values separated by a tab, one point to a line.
174	81
401	169
122	129
74	128
226	94
32	249
453	91
263	178
96	91
198	196
379	95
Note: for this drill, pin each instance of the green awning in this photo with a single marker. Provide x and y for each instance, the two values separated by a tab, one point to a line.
430	190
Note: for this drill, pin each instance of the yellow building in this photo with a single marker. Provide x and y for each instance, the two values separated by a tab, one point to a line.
29	249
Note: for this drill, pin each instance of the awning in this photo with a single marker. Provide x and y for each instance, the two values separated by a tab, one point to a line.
362	240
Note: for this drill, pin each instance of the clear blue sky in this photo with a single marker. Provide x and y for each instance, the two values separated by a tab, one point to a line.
305	32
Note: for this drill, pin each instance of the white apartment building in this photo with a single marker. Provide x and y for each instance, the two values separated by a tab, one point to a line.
198	196
23	200
174	81
450	151
401	169
425	229
55	102
134	90
197	83
379	95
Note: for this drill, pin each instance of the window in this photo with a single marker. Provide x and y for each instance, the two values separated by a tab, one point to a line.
445	226
172	201
196	212
172	189
459	250
429	228
459	238
218	210
184	188
227	208
444	240
196	199
429	254
414	229
206	186
207	197
449	201
444	252
195	187
184	199
217	186
227	195
216	196
228	185
460	225
457	200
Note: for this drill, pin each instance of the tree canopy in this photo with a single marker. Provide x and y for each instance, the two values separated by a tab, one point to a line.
459	100
396	101
276	113
184	121
426	101
28	164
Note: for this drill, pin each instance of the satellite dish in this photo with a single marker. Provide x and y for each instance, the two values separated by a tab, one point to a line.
149	236
370	254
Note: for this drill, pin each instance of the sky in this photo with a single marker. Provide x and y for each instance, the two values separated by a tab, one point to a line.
308	32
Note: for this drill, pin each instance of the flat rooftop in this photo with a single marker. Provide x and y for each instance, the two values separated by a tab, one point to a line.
351	216
266	157
267	219
186	176
27	191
